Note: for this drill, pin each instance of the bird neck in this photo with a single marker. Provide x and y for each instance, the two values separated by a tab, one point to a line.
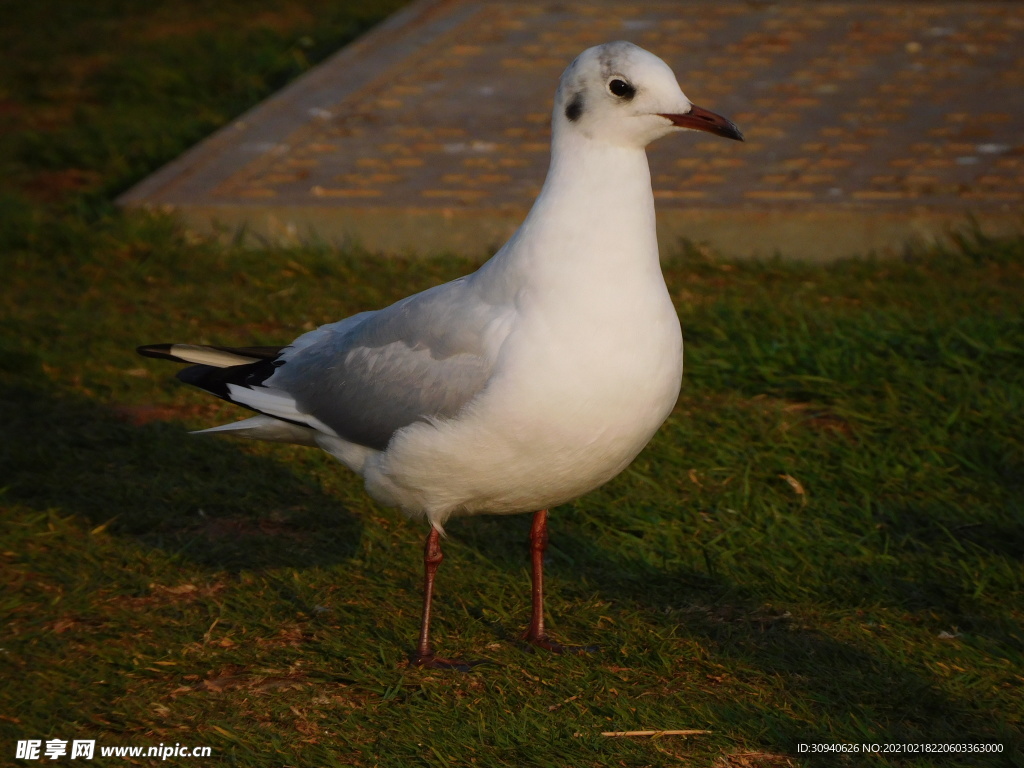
592	225
596	204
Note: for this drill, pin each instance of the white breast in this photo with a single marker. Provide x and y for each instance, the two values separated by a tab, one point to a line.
583	389
591	366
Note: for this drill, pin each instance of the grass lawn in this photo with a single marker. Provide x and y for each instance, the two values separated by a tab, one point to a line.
824	545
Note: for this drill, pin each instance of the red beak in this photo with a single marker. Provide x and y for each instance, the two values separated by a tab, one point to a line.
699	119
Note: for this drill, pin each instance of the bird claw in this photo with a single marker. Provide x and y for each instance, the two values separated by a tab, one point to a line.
544	641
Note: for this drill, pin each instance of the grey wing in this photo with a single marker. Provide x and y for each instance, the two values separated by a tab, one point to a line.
369	376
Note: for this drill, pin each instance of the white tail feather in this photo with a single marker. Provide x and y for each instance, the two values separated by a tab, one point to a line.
266	428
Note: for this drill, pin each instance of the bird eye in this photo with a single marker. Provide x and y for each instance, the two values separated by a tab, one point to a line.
621	88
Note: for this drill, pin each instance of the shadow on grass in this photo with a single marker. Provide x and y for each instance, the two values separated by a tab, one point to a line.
222	508
206	500
847	691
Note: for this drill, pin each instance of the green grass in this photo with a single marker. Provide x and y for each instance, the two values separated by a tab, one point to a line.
824	543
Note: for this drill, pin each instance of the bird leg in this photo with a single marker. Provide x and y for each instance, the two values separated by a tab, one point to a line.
536	634
424	655
432	557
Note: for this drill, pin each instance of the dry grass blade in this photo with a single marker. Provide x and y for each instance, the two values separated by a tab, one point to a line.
619	734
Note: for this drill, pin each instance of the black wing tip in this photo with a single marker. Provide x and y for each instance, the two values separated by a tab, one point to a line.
207	378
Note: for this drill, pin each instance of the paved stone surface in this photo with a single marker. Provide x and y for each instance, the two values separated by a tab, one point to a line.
868	125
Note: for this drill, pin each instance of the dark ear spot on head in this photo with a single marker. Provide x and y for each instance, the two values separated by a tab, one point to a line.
574	108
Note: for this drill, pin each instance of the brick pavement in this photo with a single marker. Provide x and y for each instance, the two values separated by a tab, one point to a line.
868	125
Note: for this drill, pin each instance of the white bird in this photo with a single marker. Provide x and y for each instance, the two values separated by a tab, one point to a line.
528	383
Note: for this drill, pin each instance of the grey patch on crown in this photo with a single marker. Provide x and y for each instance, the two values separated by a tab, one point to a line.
574	109
610	53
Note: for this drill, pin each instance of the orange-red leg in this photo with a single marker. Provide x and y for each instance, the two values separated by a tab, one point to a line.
536	634
424	655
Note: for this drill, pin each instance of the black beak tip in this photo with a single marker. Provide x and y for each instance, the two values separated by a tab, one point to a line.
726	128
700	119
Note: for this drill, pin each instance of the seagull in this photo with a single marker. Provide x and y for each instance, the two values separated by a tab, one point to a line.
523	385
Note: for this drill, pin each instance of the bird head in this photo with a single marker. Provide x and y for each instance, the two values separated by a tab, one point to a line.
621	94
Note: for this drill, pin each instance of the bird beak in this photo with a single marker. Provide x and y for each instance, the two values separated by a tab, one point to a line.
699	119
